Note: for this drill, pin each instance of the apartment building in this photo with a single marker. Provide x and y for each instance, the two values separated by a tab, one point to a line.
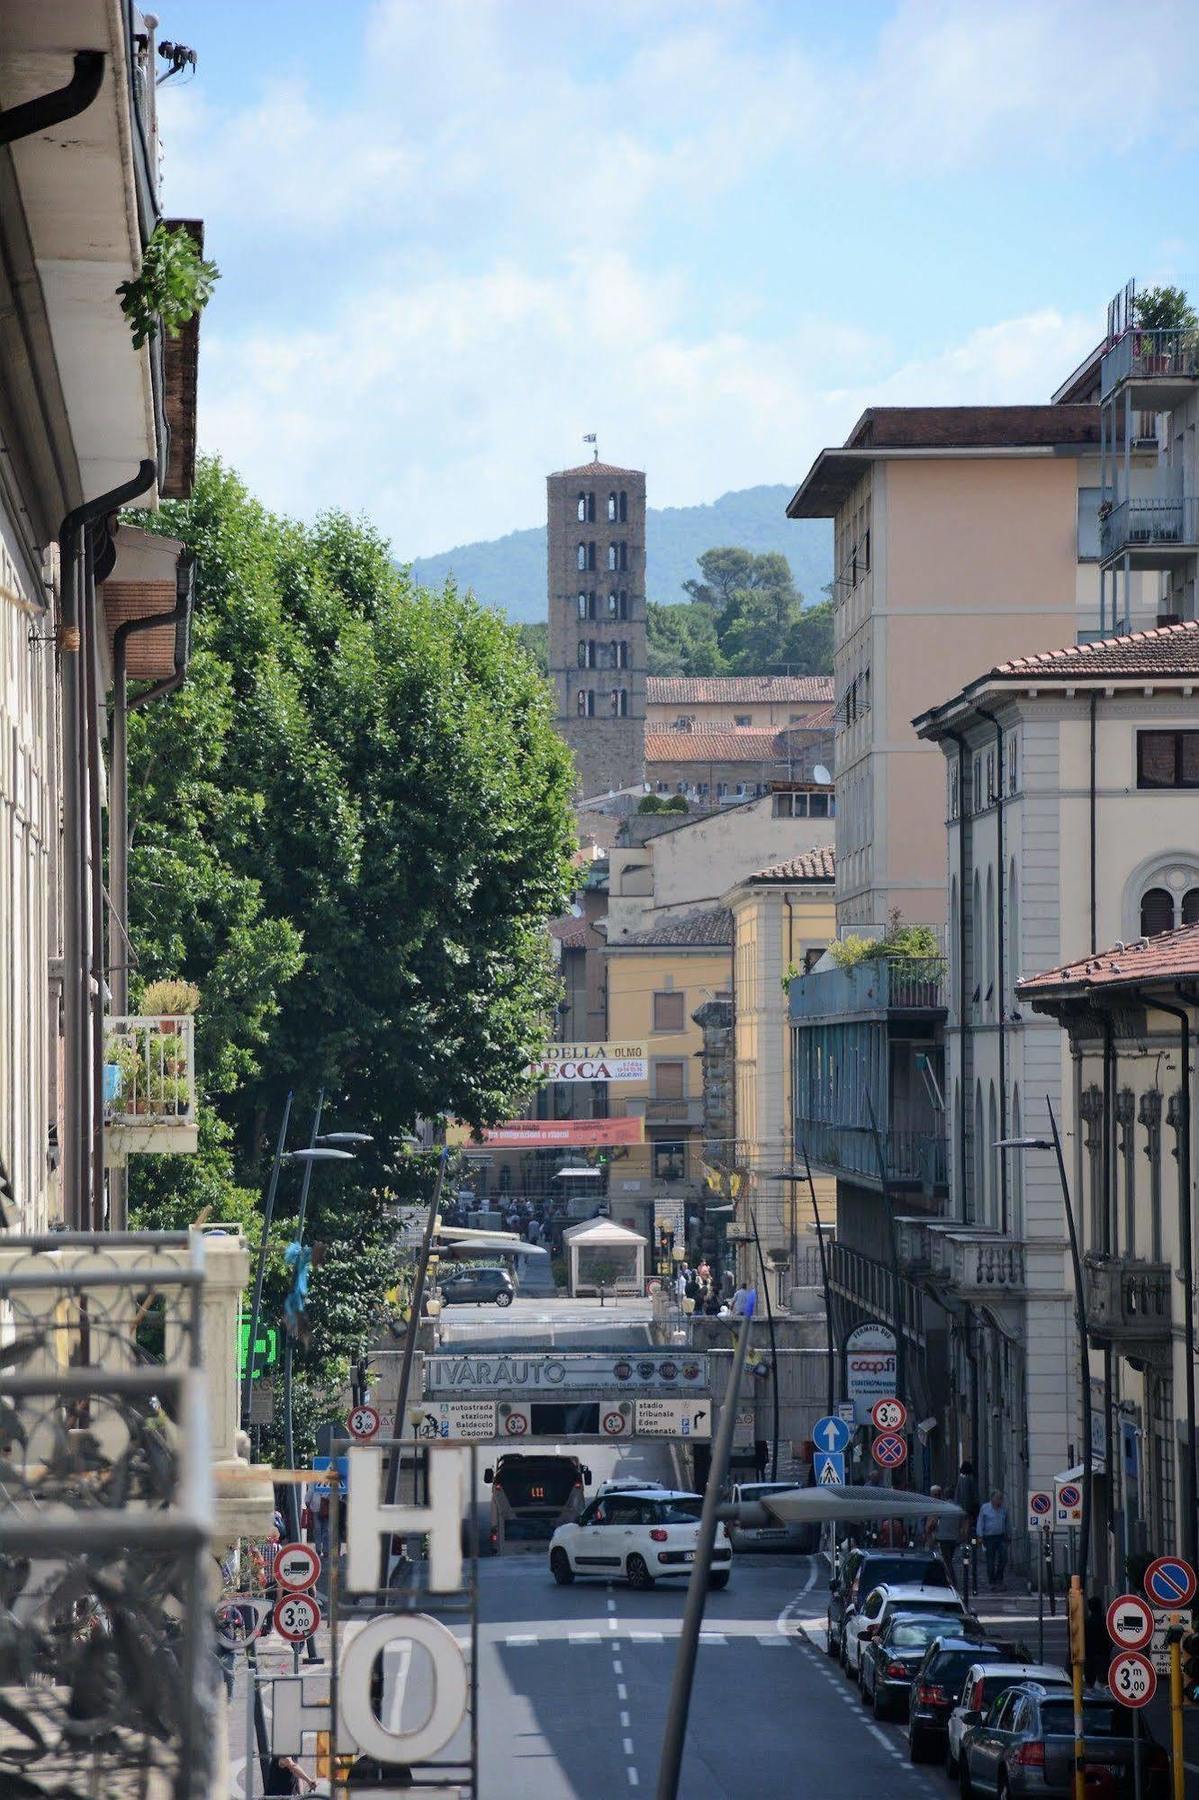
707	703
721	766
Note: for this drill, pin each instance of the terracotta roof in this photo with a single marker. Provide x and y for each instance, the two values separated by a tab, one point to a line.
809	865
1170	956
1166	650
593	468
748	746
819	719
698	690
702	930
575	934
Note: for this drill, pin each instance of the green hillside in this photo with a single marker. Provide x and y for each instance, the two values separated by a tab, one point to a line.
509	572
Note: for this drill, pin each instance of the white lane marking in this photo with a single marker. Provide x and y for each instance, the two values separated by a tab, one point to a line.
633	1777
772	1643
624	1721
627	1745
584	1637
518	1643
611	1606
622	1692
712	1637
612	1625
618	1669
646	1637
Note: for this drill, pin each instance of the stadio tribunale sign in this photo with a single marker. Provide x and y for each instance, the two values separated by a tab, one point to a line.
651	1372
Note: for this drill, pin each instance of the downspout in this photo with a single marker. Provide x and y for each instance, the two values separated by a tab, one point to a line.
59	105
1093	846
1109	1249
94	958
1000	961
963	916
1187	1271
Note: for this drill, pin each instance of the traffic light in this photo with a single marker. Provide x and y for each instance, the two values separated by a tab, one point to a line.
1190	1666
1078	1629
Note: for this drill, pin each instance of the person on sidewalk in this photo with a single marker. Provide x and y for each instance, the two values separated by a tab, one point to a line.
993	1530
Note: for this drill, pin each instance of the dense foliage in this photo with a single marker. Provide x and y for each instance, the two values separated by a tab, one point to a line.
349	828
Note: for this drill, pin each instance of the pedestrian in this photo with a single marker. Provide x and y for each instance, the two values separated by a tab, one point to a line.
947	1533
928	1527
680	1285
704	1271
738	1303
285	1776
993	1530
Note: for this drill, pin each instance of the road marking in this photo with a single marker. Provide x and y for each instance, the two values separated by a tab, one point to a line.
773	1643
628	1746
518	1643
646	1637
624	1721
633	1777
612	1625
618	1669
584	1637
712	1637
622	1692
611	1606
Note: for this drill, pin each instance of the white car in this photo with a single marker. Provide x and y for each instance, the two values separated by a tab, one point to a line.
643	1537
879	1606
628	1484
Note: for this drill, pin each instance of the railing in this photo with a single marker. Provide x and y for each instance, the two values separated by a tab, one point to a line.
1139	355
1127	1299
909	1157
873	987
974	1264
150	1083
682	1111
1150	524
872	1285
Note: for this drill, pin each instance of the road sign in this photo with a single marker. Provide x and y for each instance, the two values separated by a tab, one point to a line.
1040	1508
296	1616
363	1423
830	1435
296	1566
266	1347
870	1366
1132	1678
673	1418
829	1468
1170	1582
889	1450
468	1421
514	1421
889	1415
845	1410
239	1619
1129	1622
1067	1503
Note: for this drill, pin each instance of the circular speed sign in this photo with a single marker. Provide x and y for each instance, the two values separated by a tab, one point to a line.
297	1616
1132	1678
516	1424
364	1422
889	1415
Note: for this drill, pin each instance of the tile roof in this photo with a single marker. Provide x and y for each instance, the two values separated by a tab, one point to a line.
748	746
1165	650
575	934
1170	956
809	865
595	468
708	929
698	690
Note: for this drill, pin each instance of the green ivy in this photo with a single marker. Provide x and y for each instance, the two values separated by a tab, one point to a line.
173	284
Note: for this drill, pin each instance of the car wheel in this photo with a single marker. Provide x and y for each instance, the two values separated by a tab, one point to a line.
965	1785
719	1580
560	1567
503	1298
951	1763
638	1573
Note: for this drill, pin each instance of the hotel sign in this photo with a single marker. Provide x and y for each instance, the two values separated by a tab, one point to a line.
591	1062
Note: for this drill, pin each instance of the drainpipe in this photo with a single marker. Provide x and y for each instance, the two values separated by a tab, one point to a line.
61	104
1093	834
963	915
1187	1271
1109	1246
1001	969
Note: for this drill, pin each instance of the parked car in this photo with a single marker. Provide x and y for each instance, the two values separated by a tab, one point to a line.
984	1682
628	1484
889	1598
485	1287
948	1663
889	1661
534	1493
861	1570
1025	1745
645	1537
801	1538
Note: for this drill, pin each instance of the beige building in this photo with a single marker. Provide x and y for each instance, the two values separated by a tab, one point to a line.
707	703
721	766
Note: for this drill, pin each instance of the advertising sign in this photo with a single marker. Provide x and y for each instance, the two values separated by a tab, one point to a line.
458	1421
571	1371
870	1368
554	1134
591	1062
673	1418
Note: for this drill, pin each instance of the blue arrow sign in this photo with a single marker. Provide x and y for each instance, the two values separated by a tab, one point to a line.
831	1435
829	1468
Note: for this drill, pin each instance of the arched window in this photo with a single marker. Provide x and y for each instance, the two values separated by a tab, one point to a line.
993	1158
581	557
582	606
976	947
977	1207
1157	911
1012	972
586	653
612	559
1190	907
586	509
1015	1171
989	990
611	509
624	508
591	556
582	509
624	555
582	654
613	605
620	703
586	703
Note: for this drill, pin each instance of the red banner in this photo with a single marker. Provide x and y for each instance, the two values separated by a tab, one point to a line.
547	1134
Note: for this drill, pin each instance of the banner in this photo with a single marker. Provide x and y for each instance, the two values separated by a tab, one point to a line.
591	1062
551	1134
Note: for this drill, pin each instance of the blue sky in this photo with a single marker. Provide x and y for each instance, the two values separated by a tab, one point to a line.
457	234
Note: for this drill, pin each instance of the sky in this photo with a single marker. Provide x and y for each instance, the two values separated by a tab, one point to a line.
456	235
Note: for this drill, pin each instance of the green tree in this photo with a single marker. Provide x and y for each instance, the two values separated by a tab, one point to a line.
1165	308
682	641
536	640
758	617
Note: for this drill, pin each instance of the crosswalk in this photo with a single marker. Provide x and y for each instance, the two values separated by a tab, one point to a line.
531	1640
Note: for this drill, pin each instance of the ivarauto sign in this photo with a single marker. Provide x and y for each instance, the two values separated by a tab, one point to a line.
656	1372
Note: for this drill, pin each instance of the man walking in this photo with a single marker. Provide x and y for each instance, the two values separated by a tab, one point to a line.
992	1529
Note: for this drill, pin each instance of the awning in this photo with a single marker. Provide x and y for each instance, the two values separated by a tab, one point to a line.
487	1246
797	1506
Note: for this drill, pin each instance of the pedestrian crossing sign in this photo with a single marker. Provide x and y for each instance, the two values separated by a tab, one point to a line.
830	1468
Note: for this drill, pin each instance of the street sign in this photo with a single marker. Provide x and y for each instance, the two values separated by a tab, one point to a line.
1132	1678
617	1421
297	1617
889	1450
1130	1622
1170	1582
673	1418
889	1415
363	1423
514	1420
829	1468
262	1402
1159	1648
1040	1508
845	1410
296	1566
870	1366
830	1435
458	1420
1067	1503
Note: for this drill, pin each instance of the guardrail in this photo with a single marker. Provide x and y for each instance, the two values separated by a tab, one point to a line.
1150	524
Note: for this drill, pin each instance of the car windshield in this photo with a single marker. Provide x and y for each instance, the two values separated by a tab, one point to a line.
681	1512
949	1669
755	1490
1100	1718
909	1571
912	1634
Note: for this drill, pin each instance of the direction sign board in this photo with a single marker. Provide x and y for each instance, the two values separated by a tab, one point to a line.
296	1566
673	1418
465	1421
1040	1508
363	1423
1170	1582
1130	1622
1158	1651
889	1414
296	1617
830	1435
1067	1503
1132	1678
829	1468
889	1450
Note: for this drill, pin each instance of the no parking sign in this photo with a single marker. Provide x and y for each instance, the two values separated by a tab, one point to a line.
1040	1509
1067	1504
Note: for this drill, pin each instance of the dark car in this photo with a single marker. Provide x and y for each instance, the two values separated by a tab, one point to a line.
861	1570
482	1287
533	1493
937	1688
1025	1745
890	1661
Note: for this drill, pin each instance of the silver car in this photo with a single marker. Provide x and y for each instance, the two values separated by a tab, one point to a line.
983	1683
776	1535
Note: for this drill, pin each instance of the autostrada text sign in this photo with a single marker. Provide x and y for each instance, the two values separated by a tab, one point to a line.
591	1062
546	1375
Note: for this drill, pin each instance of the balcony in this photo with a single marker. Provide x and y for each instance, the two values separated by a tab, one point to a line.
1162	367
912	1160
873	1287
1128	1301
975	1265
149	1085
684	1112
1153	533
879	987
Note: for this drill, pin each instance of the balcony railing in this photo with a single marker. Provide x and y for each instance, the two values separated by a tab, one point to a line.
975	1264
1139	525
1172	351
910	1158
873	1287
1128	1300
871	989
150	1084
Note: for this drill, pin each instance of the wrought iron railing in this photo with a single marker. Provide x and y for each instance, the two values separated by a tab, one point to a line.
909	1158
150	1070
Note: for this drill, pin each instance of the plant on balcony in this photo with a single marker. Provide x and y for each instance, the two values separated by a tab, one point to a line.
173	998
173	284
916	941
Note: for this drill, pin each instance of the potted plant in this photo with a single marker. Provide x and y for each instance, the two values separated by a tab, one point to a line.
171	998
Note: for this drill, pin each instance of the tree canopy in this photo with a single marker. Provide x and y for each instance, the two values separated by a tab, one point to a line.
745	617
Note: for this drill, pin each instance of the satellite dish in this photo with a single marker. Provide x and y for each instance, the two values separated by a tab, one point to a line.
821	775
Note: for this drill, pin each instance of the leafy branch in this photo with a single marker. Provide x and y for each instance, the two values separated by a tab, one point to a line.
173	284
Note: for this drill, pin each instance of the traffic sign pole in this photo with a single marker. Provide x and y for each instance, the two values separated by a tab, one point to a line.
1177	1766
